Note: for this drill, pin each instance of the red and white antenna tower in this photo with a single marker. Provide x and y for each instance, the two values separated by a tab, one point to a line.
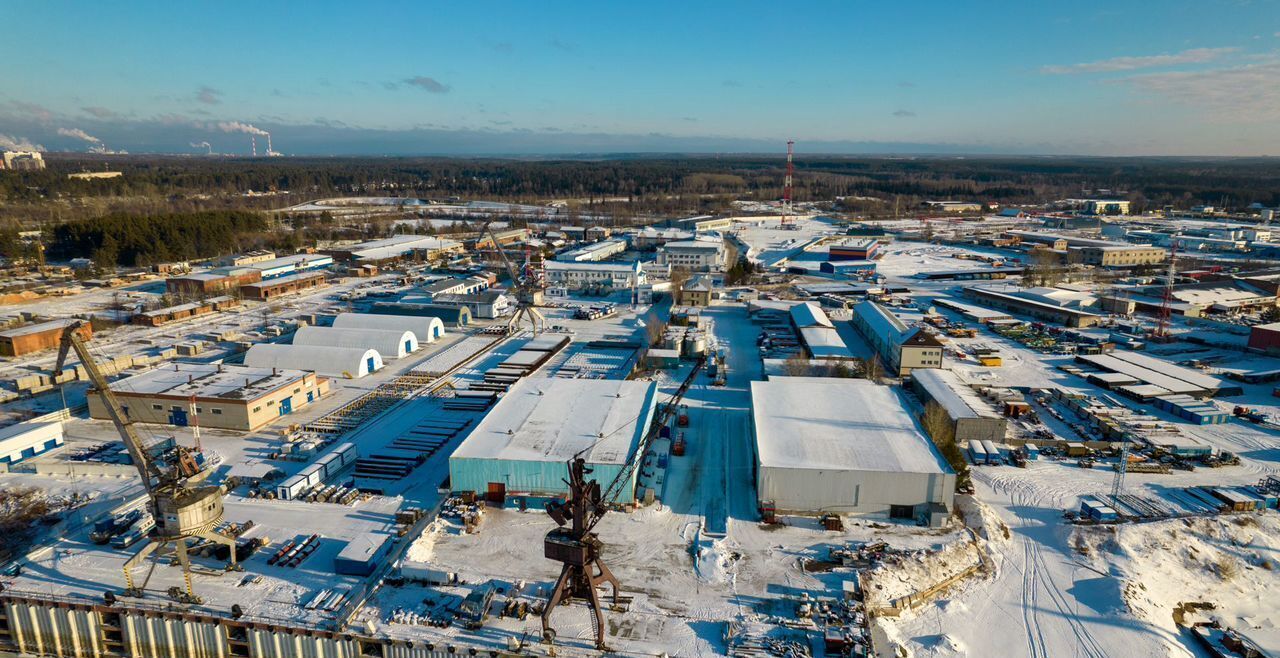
1166	305
786	184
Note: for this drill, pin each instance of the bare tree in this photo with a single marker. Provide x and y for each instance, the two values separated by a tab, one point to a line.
797	366
873	368
938	425
679	275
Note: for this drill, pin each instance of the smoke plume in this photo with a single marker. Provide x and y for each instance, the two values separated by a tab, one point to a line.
11	143
237	127
79	134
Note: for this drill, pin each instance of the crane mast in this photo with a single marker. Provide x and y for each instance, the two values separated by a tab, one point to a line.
525	287
71	340
181	508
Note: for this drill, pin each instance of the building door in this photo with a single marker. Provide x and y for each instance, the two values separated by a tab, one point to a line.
178	417
370	364
311	396
497	493
408	346
286	406
902	511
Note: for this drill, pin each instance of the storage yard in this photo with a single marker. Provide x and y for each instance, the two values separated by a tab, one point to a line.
831	461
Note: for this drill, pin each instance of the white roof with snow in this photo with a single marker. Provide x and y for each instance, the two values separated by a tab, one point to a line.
321	359
838	424
424	328
554	419
390	344
958	398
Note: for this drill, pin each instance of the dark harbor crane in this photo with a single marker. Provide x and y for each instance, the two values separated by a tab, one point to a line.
181	507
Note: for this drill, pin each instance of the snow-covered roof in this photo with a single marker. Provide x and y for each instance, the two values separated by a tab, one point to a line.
206	380
555	419
322	359
424	328
947	389
838	424
809	314
389	343
825	343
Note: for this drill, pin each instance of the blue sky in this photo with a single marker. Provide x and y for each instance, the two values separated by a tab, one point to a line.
1112	78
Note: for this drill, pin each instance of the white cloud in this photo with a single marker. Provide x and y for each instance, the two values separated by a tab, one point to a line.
1193	56
1240	93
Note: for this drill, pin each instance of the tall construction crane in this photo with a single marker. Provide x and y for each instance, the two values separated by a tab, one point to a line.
574	543
1166	303
182	508
526	286
786	186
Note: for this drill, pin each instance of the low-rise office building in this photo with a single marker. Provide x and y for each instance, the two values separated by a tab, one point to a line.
698	255
580	275
900	347
220	396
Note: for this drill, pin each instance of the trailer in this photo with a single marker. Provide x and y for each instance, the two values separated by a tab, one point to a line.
977	453
993	453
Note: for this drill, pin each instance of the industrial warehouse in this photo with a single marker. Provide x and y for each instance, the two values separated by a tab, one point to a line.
861	452
523	444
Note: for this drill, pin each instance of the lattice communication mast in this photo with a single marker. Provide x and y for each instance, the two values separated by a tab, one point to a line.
786	184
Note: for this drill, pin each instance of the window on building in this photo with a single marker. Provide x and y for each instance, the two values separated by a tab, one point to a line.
157	407
217	412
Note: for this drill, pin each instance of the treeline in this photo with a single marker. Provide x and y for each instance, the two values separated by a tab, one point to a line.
666	184
132	241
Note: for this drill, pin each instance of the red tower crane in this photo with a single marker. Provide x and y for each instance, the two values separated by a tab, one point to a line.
786	184
1166	305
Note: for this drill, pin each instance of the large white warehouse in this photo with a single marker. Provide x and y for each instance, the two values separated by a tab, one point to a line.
426	329
523	445
848	446
350	362
390	344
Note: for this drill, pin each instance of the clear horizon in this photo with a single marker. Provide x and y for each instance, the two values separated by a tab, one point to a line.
514	79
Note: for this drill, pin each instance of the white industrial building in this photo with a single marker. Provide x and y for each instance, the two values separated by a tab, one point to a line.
425	329
705	254
971	416
523	445
26	440
390	344
846	446
578	275
350	362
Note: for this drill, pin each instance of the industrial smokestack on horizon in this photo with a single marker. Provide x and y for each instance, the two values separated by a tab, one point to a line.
250	129
203	145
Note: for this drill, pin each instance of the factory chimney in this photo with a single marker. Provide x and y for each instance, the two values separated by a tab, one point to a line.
253	143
